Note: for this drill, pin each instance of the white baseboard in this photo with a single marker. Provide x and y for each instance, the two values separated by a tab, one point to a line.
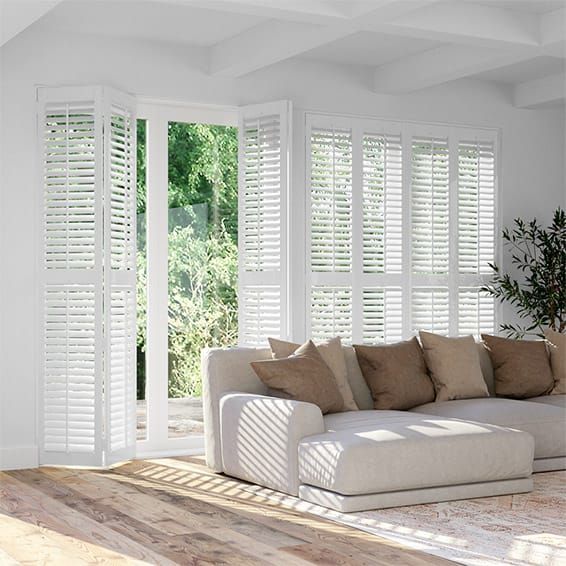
19	457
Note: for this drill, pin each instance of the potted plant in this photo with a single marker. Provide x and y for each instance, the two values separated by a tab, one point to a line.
539	294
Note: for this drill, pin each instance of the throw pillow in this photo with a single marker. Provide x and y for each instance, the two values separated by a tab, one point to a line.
557	346
521	367
454	366
303	376
332	353
396	375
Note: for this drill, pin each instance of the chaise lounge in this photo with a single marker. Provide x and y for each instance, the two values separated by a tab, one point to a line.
368	459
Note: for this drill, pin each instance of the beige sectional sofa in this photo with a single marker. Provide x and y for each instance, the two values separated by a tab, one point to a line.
372	459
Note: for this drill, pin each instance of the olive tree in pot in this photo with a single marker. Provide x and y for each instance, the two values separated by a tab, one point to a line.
539	294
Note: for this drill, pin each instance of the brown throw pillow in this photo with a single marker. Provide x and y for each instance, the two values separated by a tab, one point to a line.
557	347
396	375
521	367
454	366
303	376
332	353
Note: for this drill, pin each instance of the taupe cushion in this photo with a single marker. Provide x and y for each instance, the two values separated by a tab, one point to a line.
546	423
557	347
521	367
454	366
396	374
303	376
385	451
333	354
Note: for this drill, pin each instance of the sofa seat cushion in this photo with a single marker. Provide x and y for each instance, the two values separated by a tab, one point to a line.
384	451
545	422
557	400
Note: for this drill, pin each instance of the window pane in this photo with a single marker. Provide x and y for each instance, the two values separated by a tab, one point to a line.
202	260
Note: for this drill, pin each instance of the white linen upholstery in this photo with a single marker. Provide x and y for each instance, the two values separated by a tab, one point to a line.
545	422
260	436
225	370
557	400
353	503
381	451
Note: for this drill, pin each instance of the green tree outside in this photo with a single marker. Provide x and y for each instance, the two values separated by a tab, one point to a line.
203	252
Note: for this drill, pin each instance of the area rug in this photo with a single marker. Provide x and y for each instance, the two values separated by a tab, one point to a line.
526	529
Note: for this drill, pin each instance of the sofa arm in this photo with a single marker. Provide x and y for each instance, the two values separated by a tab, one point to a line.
260	437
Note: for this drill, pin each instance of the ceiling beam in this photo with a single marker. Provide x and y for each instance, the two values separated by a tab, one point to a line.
441	65
465	23
553	33
17	15
269	43
540	92
276	40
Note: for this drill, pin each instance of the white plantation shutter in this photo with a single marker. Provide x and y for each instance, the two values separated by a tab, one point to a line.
355	196
401	224
476	206
430	187
382	203
476	234
87	276
264	147
331	200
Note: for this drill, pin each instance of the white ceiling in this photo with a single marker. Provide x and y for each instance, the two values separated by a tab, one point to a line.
405	45
155	20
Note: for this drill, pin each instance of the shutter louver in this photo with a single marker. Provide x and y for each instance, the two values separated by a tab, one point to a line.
476	312
476	206
88	276
382	315
382	203
331	200
430	310
263	189
430	206
331	313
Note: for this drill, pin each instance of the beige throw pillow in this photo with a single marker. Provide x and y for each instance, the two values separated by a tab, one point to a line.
396	375
557	347
454	366
332	353
521	367
303	376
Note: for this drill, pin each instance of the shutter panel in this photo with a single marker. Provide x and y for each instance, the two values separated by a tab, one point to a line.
430	310
429	208
87	276
331	313
476	206
476	312
120	278
264	148
331	200
382	203
382	315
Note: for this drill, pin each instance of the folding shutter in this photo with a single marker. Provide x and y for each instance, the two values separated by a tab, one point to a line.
264	149
87	276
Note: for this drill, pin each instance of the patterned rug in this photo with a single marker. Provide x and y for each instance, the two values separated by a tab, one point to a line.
527	529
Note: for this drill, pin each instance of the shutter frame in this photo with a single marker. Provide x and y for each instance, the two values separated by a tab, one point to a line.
75	288
263	196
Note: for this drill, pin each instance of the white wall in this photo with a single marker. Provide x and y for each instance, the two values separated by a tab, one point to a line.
532	180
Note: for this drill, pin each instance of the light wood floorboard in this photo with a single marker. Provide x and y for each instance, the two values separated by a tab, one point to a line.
171	511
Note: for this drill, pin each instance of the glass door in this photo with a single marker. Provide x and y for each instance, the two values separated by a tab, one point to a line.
187	266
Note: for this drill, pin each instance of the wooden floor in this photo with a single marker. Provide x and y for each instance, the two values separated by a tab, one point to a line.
171	511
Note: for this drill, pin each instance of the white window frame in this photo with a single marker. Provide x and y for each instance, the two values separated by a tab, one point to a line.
157	114
407	280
